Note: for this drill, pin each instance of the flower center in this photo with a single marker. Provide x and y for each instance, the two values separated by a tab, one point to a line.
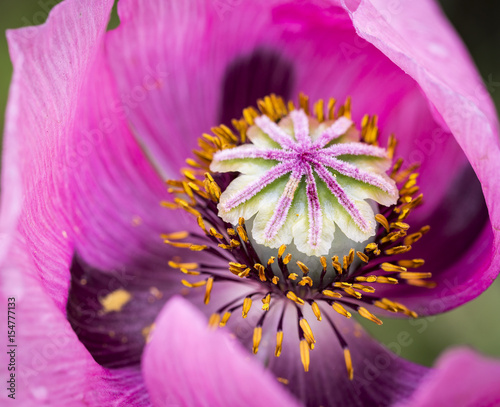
288	206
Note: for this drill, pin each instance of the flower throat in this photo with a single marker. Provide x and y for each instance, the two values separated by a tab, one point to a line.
328	210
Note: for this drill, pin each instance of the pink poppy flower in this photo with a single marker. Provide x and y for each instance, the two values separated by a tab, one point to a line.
98	120
461	378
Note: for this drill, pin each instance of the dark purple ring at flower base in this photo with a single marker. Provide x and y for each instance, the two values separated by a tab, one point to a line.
343	283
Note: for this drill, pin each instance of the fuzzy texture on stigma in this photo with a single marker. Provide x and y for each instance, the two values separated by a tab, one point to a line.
302	177
344	284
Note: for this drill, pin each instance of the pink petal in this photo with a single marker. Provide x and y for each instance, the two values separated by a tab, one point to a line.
461	378
52	367
178	369
86	183
461	102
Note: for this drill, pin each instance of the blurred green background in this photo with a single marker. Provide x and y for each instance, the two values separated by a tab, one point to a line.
477	323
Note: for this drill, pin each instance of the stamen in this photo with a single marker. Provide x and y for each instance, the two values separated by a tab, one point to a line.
257	336
247	303
304	354
319	162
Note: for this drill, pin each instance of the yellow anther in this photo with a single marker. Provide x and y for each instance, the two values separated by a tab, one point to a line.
275	280
265	302
341	310
412	275
169	205
190	272
214	320
287	258
175	235
363	257
398	250
399	225
370	247
306	328
386	280
368	279
348	363
383	221
342	284
279	343
302	267
188	266
231	232
415	263
224	319
242	233
180	245
411	239
365	288
241	221
271	260
201	223
304	354
215	233
281	250
193	285
292	296
257	336
319	110
262	271
192	163
353	293
332	294
422	283
336	264
393	236
368	315
197	247
392	268
293	276
282	380
208	289
306	280
385	307
234	243
322	259
316	310
247	303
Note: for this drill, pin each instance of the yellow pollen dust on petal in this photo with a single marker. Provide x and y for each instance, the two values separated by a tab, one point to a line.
115	300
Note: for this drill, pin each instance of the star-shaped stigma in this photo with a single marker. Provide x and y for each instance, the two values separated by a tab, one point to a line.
302	178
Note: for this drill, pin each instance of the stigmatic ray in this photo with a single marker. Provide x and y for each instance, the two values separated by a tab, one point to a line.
311	184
